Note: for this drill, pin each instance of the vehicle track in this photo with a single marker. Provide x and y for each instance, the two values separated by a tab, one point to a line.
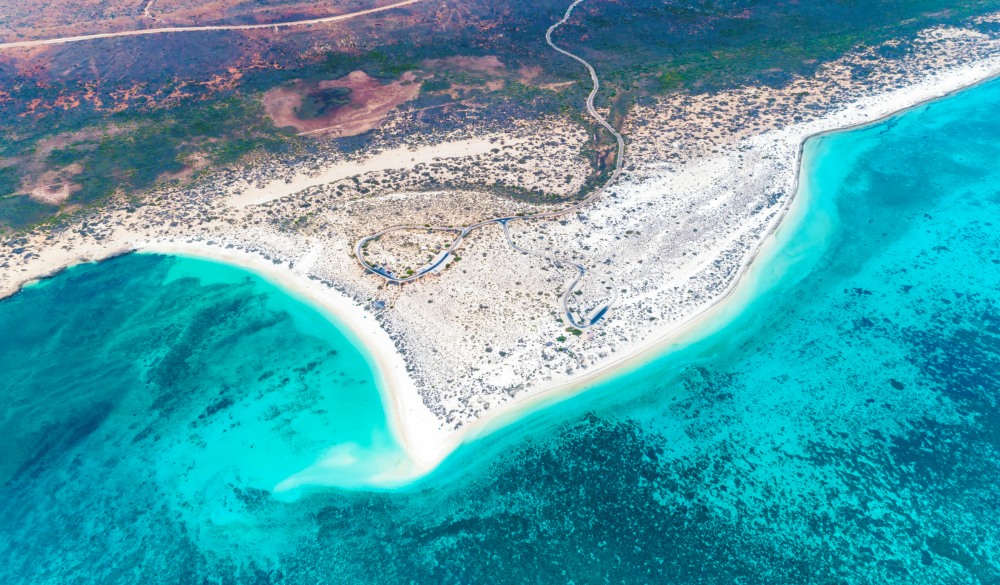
147	11
187	29
580	323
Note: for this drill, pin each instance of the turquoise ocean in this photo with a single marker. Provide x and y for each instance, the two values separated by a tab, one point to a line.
837	421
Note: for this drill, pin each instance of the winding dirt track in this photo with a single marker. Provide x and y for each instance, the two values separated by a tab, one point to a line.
187	29
581	322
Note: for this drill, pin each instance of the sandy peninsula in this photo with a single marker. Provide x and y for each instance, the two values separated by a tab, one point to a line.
679	242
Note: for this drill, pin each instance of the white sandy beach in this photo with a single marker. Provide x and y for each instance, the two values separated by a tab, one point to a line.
423	436
438	400
756	275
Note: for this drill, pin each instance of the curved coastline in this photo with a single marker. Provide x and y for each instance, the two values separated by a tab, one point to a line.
414	426
420	434
429	447
722	310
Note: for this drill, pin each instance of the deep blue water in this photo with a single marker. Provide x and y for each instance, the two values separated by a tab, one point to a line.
842	426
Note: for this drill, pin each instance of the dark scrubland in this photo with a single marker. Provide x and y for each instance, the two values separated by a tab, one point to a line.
177	99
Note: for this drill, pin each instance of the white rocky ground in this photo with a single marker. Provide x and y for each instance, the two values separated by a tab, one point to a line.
707	178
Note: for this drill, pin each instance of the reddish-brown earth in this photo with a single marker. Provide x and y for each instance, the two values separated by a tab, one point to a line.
370	102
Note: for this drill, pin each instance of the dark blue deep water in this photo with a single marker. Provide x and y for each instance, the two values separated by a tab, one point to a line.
842	428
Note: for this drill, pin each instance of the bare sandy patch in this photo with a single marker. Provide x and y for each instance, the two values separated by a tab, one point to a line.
370	101
45	182
54	187
458	91
559	86
527	75
489	64
395	158
192	164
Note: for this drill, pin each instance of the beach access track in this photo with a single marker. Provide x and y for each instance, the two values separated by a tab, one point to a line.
578	321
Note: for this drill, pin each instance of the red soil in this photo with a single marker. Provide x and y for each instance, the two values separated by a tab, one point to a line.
370	102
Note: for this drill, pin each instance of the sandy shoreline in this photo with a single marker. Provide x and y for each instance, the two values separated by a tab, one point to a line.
742	290
418	432
428	439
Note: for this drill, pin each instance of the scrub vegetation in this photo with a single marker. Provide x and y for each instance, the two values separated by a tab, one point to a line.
183	107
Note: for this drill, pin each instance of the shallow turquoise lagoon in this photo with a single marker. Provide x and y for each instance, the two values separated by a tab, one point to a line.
839	423
152	384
